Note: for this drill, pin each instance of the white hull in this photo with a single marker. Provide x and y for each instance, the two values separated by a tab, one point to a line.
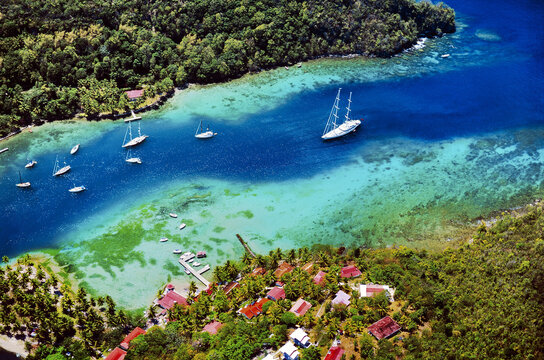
177	251
172	215
182	226
134	161
163	240
62	171
136	141
74	149
23	185
4	150
205	135
77	189
31	164
344	129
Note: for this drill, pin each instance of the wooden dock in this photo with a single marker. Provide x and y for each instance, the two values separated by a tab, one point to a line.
196	274
245	245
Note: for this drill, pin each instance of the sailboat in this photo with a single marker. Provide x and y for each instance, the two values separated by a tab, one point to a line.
201	134
77	189
132	160
332	129
74	149
22	184
137	140
31	164
57	170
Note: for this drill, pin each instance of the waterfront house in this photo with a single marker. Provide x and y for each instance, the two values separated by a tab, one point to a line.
290	351
134	94
370	290
170	299
276	294
283	269
341	298
300	307
300	338
231	286
319	278
350	272
133	335
334	353
384	328
117	354
213	327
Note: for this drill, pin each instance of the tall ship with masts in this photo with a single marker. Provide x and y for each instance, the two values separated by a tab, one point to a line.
137	140
333	129
57	170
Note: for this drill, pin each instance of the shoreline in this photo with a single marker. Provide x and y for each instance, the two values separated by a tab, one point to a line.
14	346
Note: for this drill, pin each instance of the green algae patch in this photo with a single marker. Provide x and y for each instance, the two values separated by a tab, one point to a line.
230	193
188	222
218	241
218	229
246	213
174	269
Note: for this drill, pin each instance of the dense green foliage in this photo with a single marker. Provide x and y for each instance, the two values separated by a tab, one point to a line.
50	51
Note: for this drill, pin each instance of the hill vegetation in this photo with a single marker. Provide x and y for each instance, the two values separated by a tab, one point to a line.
482	300
61	57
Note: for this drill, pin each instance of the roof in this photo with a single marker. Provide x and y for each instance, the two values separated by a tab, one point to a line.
276	293
308	267
213	327
231	286
134	94
283	269
320	277
170	287
369	290
301	307
350	271
116	354
133	335
172	298
384	328
258	271
335	353
254	309
300	335
290	349
201	253
341	298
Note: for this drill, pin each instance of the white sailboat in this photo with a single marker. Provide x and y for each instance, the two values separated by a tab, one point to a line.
332	129
74	149
57	170
201	134
31	164
77	189
22	184
137	140
132	160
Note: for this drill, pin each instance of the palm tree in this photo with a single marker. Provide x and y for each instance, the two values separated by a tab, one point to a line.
192	289
274	313
152	312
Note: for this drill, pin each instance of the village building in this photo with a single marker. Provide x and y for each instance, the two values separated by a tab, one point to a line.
334	353
134	94
341	298
258	271
350	272
290	351
276	294
231	286
308	267
319	278
384	328
170	299
254	309
283	269
117	354
300	338
300	307
213	327
133	335
370	290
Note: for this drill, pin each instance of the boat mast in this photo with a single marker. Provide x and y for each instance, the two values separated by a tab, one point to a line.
55	168
348	108
333	116
20	179
139	132
199	128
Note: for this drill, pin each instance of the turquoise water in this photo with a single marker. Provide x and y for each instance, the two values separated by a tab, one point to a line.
444	141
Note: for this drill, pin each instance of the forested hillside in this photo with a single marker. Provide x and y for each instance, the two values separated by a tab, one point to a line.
60	57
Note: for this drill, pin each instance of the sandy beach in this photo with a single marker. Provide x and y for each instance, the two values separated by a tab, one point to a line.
13	345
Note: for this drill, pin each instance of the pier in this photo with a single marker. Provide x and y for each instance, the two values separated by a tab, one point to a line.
197	274
246	246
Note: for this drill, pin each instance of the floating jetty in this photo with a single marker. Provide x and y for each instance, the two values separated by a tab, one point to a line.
198	274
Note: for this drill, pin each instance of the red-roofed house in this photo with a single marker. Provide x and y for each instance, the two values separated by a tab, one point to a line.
335	353
116	354
170	299
276	294
308	267
258	271
253	310
301	307
231	286
283	269
134	94
133	335
350	271
170	287
384	328
319	278
213	327
370	290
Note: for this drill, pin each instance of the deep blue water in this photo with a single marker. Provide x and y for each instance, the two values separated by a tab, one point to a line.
284	143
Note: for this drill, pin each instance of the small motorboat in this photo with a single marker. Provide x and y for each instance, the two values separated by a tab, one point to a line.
182	226
163	239
4	150
286	67
196	264
177	251
74	149
299	65
134	160
190	260
31	164
187	272
172	215
201	254
77	189
445	56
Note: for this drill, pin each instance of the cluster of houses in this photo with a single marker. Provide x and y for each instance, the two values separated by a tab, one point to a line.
299	339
